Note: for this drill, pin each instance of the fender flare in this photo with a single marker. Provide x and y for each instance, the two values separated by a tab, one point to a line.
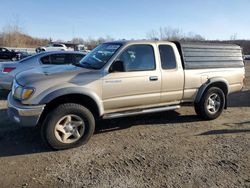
207	84
71	91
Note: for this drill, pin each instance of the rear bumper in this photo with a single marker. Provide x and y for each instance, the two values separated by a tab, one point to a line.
26	116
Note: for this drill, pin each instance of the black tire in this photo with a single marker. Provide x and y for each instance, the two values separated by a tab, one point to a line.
201	108
197	109
49	125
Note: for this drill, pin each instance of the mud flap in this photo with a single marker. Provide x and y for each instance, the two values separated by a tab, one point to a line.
226	103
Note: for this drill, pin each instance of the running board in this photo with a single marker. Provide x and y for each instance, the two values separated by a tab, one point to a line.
138	112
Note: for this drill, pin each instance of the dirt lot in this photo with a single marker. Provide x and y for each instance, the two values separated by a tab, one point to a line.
171	149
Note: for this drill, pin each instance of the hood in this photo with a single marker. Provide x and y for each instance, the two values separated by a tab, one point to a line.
55	73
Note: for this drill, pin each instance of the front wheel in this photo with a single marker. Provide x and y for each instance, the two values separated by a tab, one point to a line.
69	125
211	104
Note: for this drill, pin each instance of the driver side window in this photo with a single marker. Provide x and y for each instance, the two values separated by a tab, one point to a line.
138	58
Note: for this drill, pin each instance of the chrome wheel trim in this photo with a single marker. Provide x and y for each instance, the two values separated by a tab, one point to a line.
69	129
213	103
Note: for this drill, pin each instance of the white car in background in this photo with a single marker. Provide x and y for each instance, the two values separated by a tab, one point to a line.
52	47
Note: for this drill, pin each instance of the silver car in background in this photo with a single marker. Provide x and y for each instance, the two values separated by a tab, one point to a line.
8	70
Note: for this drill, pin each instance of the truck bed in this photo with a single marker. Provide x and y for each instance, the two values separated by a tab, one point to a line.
210	55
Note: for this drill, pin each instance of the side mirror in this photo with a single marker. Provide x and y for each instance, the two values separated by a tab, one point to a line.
117	66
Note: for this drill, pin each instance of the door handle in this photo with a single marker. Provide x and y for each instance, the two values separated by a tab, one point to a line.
153	78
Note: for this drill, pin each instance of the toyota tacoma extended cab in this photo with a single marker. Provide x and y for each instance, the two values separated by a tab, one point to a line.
125	78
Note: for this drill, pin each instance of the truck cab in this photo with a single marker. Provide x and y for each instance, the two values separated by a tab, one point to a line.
145	79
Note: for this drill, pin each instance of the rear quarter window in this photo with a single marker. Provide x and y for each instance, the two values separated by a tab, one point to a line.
57	59
168	60
45	59
60	59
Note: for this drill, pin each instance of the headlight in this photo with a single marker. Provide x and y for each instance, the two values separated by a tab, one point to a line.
20	92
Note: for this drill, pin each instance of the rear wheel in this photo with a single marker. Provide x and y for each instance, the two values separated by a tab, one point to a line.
69	125
211	104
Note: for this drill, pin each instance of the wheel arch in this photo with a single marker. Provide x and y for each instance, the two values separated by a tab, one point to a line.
213	82
88	99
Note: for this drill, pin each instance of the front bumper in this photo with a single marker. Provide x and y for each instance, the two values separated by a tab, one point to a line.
25	115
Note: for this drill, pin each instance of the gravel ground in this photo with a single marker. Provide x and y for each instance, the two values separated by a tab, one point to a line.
170	149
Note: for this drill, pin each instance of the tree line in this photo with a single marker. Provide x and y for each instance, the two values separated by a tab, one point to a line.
13	36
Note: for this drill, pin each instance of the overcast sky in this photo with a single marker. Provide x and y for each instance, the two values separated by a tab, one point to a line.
65	19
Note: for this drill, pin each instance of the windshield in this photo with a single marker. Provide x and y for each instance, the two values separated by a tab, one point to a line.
98	57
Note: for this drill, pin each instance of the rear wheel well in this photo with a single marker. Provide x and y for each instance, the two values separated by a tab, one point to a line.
84	100
220	85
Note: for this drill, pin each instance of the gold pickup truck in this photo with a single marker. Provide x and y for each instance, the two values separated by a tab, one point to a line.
125	78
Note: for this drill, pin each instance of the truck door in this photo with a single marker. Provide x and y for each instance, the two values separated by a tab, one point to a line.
172	74
138	85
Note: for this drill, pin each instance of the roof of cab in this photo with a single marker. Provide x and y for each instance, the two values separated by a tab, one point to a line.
134	42
183	43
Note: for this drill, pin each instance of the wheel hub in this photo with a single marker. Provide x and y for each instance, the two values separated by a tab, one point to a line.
69	129
214	103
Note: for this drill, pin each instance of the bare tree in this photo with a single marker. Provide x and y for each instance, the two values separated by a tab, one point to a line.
13	35
109	38
153	35
77	40
233	37
92	43
191	36
168	33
